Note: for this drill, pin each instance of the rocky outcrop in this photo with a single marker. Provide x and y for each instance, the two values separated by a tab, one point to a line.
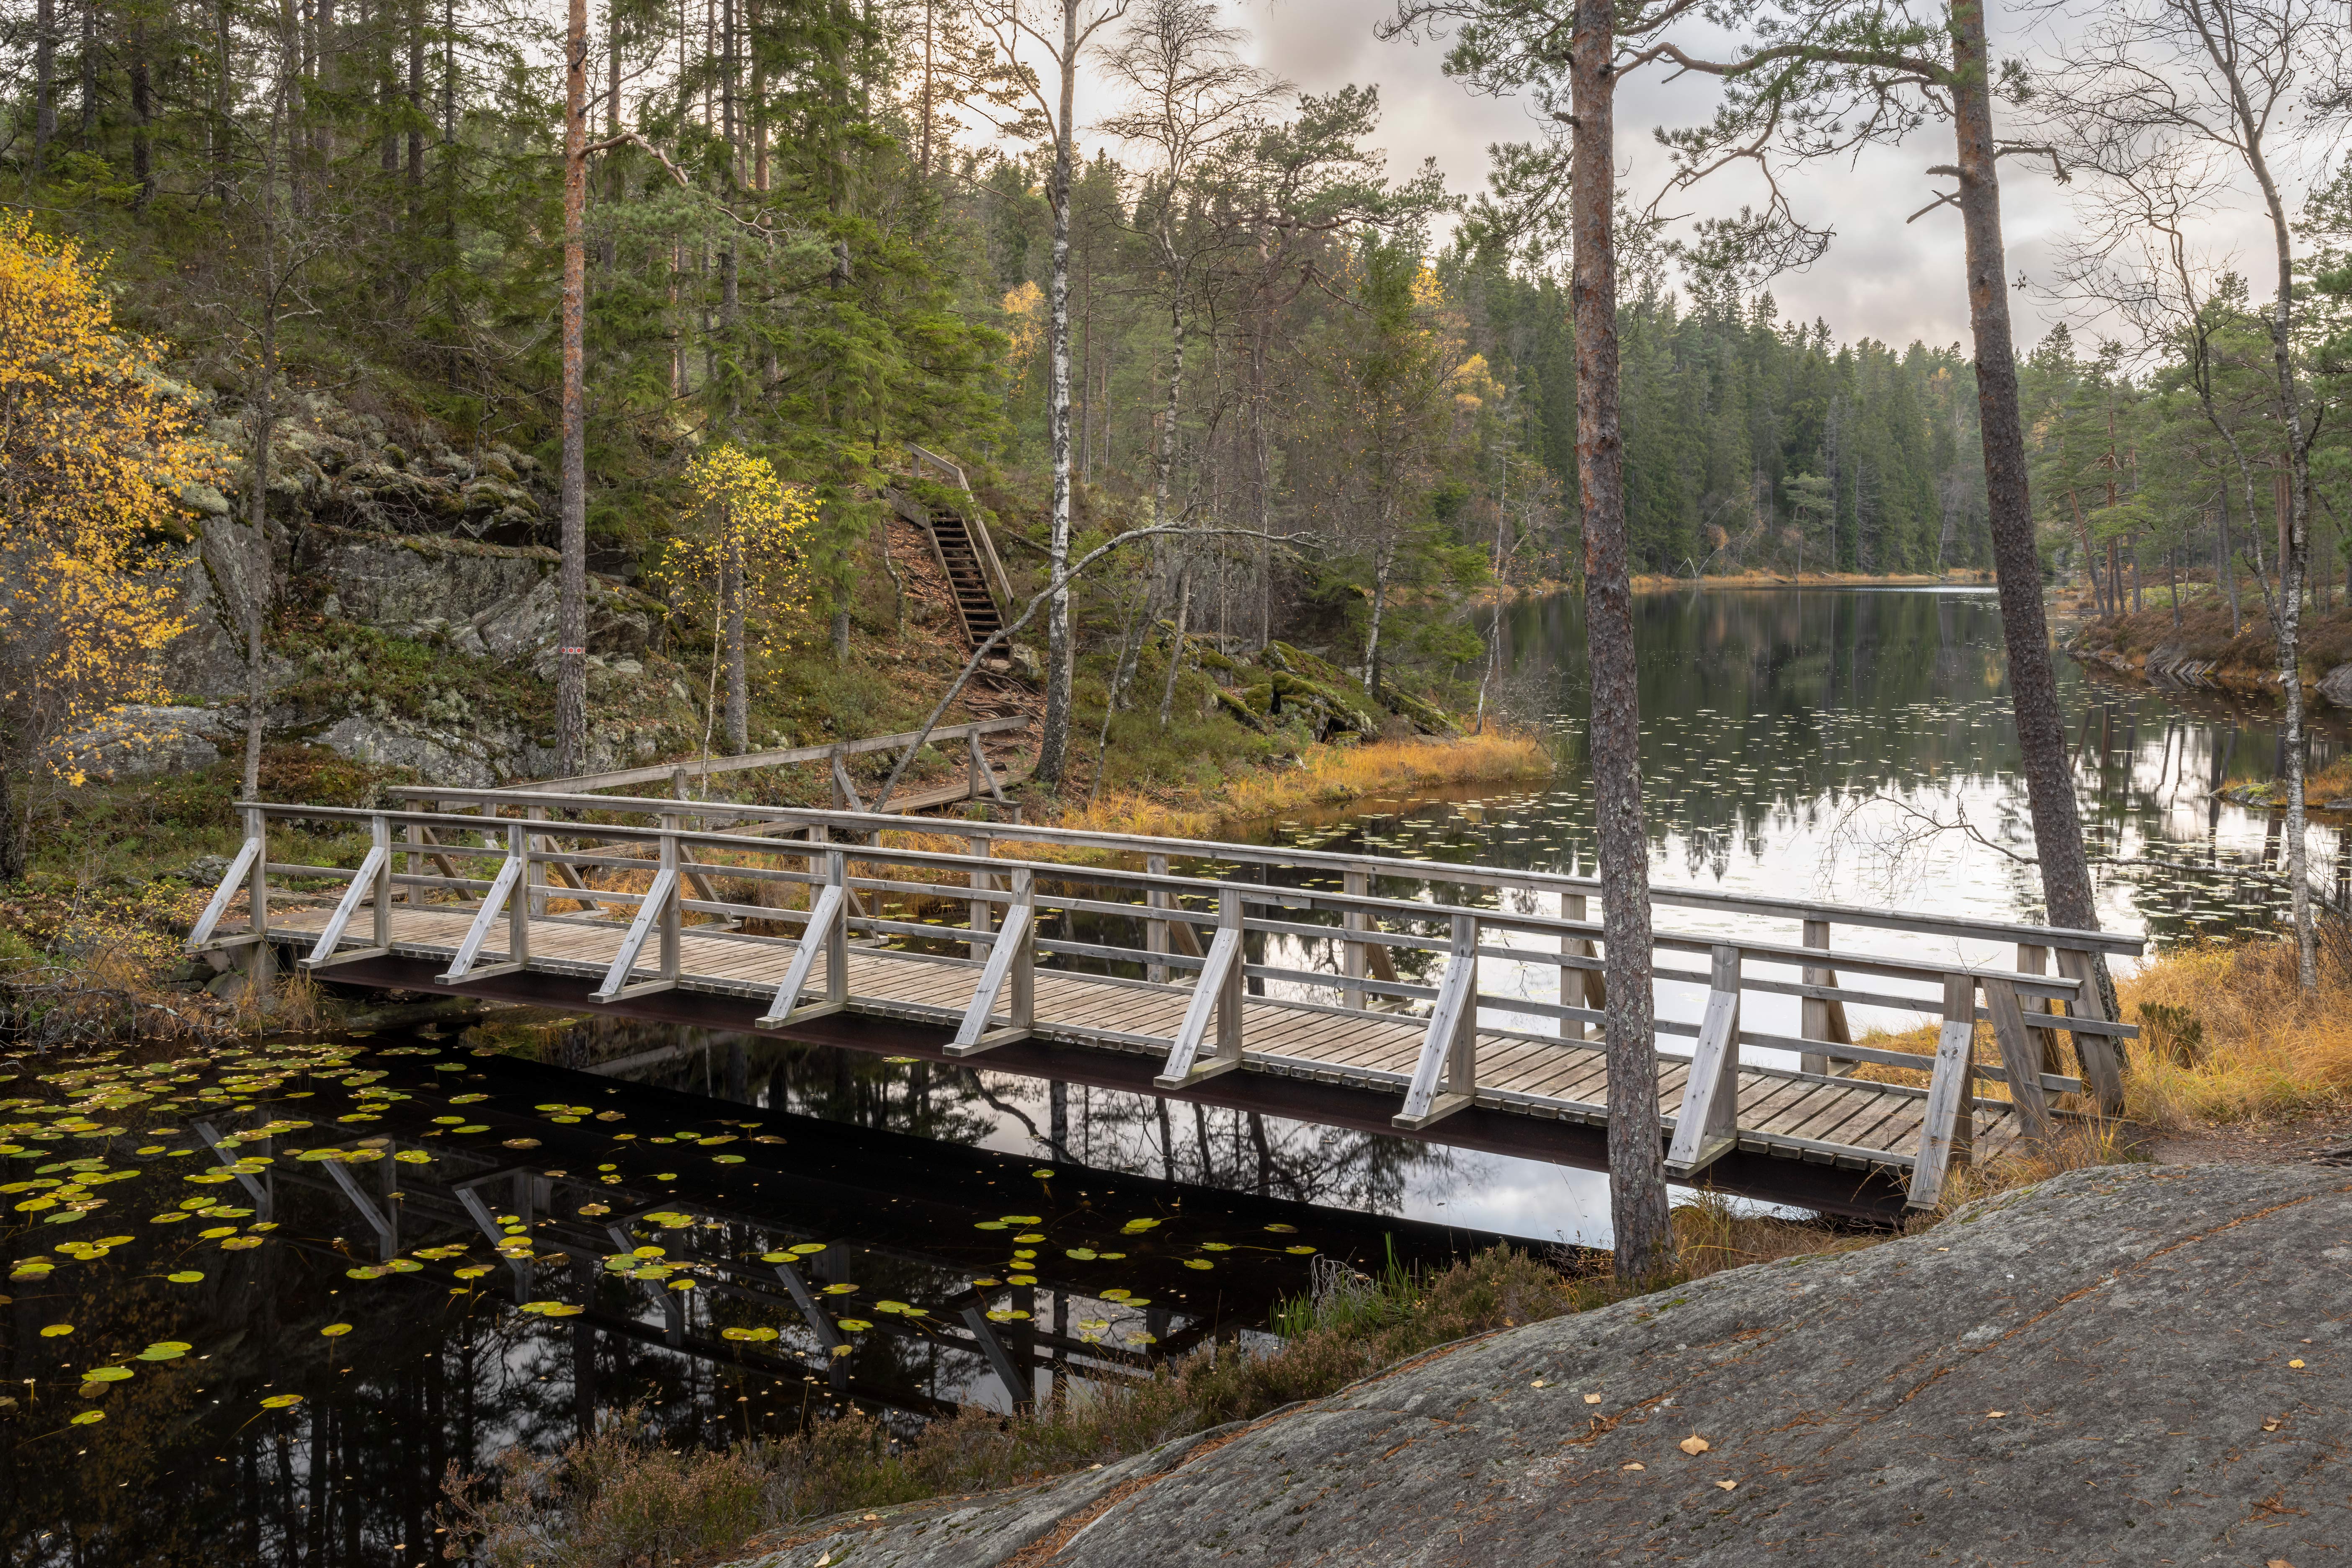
141	741
2130	1364
2335	688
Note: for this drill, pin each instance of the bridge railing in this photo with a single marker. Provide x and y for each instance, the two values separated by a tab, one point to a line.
1333	937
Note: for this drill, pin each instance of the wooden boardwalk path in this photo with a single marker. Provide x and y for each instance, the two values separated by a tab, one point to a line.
1354	992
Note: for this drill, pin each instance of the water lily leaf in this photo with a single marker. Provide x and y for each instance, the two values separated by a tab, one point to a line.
166	1350
281	1401
1030	1236
1300	1251
1005	1316
1020	1280
475	1127
242	1242
186	1277
474	1272
467	1099
805	1247
1216	1246
852	1325
336	1330
365	1271
1283	1230
1198	1263
1083	1253
1042	1176
1117	1295
1022	1219
404	1265
992	1225
728	1159
1138	1227
414	1157
56	1330
890	1306
523	1144
106	1375
87	1416
843	1289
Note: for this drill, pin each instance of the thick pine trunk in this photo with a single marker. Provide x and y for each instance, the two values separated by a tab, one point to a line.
2032	682
1643	1232
1054	739
571	613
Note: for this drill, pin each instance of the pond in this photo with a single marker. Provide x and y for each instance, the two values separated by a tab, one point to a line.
262	1298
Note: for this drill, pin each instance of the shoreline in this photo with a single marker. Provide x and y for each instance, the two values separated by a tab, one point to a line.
1326	775
1666	582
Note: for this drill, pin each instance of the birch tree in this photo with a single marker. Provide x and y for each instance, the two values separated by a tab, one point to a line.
2203	93
1064	32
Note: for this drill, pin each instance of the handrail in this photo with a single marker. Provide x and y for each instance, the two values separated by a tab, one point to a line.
1917	920
1324	900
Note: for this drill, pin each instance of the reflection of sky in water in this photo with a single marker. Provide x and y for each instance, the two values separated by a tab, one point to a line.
1850	746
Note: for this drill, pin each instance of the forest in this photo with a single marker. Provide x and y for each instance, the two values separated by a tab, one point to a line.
816	233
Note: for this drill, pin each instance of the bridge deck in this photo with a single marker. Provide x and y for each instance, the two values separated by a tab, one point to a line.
1856	1125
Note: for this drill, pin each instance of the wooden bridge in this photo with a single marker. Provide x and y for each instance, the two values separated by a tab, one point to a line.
1455	1004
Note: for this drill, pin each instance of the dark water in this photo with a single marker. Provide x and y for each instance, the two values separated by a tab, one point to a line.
260	1300
1828	744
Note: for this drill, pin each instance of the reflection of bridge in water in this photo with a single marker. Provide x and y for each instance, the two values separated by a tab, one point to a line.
1436	1002
789	1281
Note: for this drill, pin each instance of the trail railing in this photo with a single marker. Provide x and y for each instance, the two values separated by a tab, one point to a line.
1391	944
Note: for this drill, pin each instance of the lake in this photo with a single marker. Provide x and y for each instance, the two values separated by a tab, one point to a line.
262	1297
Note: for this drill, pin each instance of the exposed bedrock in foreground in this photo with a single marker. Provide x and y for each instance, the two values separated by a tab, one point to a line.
2101	1369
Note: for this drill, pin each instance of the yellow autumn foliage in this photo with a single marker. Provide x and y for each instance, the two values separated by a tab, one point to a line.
741	531
94	450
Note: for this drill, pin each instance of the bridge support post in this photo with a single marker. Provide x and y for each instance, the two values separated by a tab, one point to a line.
2021	1058
1588	983
1216	997
657	917
1445	1079
2102	1059
984	912
1706	1127
1824	1016
1155	933
825	935
1011	967
372	882
260	959
1948	1136
1358	884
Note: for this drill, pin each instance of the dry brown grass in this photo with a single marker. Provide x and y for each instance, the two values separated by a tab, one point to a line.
2228	1035
2256	1045
1325	775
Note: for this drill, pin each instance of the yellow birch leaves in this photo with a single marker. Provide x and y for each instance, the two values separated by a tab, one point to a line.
94	450
738	517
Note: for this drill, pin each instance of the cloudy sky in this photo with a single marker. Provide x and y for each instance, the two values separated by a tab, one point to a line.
1883	278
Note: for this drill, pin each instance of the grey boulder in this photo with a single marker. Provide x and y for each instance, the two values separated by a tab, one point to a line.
2099	1368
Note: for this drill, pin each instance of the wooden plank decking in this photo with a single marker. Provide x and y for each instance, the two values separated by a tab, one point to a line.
1846	1122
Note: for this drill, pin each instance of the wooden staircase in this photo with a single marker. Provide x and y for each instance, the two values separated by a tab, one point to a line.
961	545
952	535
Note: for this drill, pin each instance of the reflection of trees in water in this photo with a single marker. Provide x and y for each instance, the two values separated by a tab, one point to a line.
1107	1129
1246	1151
